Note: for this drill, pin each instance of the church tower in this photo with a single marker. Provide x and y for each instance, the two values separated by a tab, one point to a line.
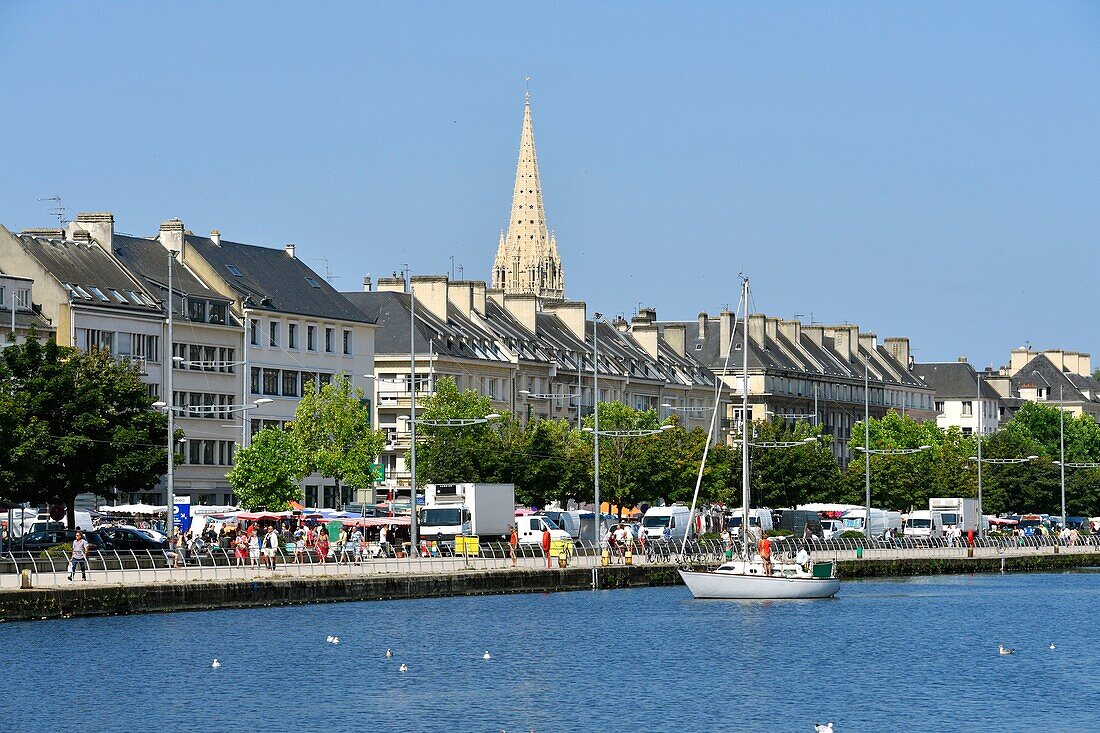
527	261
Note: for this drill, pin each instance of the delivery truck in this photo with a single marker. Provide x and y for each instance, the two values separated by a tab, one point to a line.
486	511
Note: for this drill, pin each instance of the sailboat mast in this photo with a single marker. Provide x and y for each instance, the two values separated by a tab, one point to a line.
745	415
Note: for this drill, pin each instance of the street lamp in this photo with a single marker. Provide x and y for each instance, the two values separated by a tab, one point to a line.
596	434
782	443
596	318
527	394
868	452
1061	440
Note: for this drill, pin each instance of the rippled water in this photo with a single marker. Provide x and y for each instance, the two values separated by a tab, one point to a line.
916	654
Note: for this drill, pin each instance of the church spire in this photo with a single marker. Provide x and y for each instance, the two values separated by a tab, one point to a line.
527	259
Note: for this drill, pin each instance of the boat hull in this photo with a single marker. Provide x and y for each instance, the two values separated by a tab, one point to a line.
738	586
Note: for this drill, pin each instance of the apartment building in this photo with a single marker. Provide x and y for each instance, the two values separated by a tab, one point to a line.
18	311
1051	376
962	400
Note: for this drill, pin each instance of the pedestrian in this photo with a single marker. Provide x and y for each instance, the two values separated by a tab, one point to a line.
79	557
254	548
764	548
271	545
807	534
546	544
240	549
322	544
356	540
383	541
513	541
803	558
299	544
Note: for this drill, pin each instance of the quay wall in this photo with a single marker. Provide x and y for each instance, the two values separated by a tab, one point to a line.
196	595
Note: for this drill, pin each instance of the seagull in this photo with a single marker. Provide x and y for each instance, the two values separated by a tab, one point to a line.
1051	647
329	638
486	656
216	664
389	653
336	640
403	668
823	727
1005	650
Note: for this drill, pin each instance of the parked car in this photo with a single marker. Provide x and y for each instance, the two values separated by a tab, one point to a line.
831	528
35	542
127	538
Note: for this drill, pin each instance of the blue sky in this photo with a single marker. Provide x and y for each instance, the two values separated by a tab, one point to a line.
922	169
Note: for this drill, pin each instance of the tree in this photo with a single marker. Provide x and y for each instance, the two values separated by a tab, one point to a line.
332	433
265	475
628	464
455	454
785	476
75	422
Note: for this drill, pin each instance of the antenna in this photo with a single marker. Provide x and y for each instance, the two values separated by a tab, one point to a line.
58	210
328	270
461	273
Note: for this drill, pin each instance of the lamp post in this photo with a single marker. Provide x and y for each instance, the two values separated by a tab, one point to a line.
169	507
1061	439
867	444
596	318
527	394
596	434
414	528
867	452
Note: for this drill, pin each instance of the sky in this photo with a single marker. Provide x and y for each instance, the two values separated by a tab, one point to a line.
923	169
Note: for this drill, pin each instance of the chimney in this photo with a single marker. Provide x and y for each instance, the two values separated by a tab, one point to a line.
962	359
171	236
756	328
815	333
290	249
572	313
216	238
645	315
899	349
431	293
1019	359
645	333
725	331
523	309
393	284
496	295
675	337
703	326
1084	364
100	225
842	342
479	295
771	327
867	341
620	324
44	232
82	236
791	330
366	283
1058	358
461	294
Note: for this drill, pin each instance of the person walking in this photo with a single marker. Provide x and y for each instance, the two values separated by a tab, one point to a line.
271	545
79	557
322	544
240	549
513	542
254	548
546	544
383	541
764	548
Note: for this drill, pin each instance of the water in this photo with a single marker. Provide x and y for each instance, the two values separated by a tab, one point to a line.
915	654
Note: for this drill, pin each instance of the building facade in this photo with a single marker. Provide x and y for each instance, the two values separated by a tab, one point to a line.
962	399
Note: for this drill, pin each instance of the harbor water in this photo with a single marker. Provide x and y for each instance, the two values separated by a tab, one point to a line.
911	654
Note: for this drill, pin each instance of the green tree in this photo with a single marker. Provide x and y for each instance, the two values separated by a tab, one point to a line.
628	464
456	454
75	422
265	475
333	435
786	476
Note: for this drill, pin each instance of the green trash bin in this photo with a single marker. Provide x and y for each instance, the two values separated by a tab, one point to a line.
859	552
729	554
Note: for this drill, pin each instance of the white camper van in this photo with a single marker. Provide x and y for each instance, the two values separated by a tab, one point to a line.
923	524
881	521
674	517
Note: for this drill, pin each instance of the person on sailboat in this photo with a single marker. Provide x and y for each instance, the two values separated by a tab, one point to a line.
764	548
803	558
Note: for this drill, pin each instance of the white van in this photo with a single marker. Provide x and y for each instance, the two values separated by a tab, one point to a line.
881	521
924	524
529	529
656	518
760	520
831	528
42	522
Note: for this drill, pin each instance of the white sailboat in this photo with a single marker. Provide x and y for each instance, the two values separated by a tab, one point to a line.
748	577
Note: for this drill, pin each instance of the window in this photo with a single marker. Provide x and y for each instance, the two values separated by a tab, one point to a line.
254	330
967	408
273	333
98	293
117	295
329	334
313	283
290	383
218	313
311	338
347	343
196	310
939	407
292	335
4	300
271	381
233	270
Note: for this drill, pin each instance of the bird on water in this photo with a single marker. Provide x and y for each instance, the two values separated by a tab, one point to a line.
823	727
1004	650
216	664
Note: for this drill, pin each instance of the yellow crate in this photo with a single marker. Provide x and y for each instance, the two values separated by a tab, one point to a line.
557	546
466	545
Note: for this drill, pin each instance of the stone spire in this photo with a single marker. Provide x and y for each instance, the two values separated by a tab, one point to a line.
527	260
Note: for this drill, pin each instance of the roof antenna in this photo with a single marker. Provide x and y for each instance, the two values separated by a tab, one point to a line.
58	210
328	270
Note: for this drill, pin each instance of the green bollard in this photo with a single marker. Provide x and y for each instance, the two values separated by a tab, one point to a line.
859	552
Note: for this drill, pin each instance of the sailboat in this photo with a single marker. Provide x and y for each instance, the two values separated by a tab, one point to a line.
747	577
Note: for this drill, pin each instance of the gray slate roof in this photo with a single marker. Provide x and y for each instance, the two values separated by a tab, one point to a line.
1053	376
148	260
954	380
84	268
273	280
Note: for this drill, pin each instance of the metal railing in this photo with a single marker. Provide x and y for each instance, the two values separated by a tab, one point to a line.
52	568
